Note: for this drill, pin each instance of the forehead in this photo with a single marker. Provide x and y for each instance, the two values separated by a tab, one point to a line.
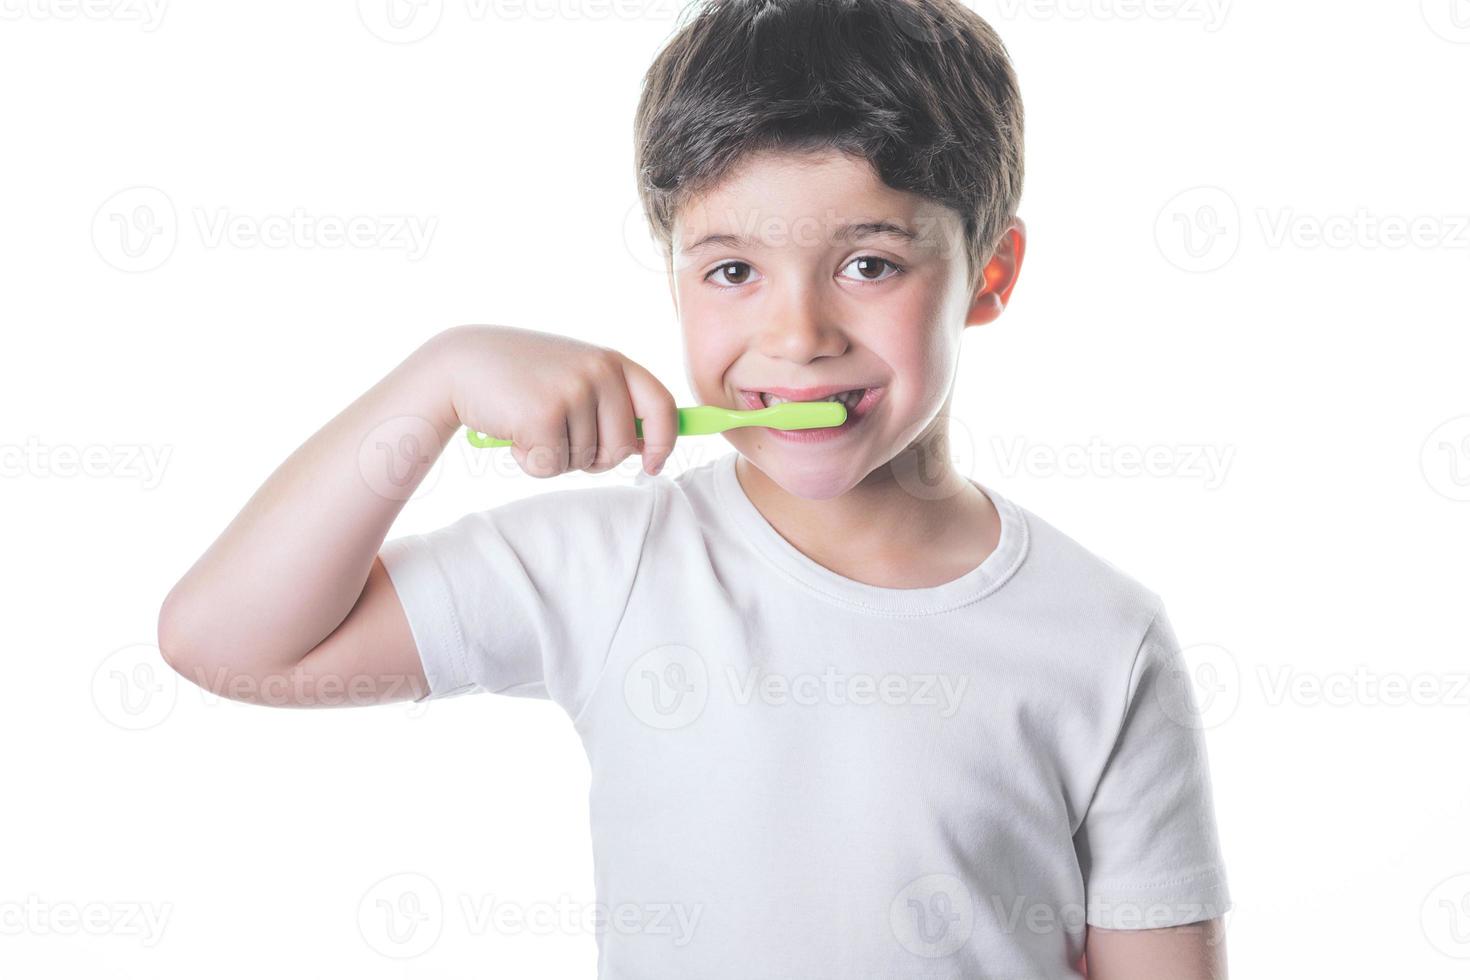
777	198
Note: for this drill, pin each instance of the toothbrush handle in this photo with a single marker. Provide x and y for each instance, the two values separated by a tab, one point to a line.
691	422
481	441
702	420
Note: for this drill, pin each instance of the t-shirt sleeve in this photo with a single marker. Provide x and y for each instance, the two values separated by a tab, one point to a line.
524	598
1148	845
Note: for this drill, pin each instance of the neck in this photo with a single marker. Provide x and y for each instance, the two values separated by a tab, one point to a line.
913	521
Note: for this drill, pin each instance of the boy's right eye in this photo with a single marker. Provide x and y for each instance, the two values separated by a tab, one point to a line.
724	267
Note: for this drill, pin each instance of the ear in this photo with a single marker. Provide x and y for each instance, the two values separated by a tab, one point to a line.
1001	272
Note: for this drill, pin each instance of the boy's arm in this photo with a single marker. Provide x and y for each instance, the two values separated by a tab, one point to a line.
1189	952
290	605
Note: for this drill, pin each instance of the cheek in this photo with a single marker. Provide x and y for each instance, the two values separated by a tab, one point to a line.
708	355
923	364
924	353
942	359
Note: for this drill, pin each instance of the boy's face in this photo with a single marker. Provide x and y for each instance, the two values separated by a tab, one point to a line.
794	298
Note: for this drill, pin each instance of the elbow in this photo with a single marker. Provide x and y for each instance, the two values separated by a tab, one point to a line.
210	651
179	642
171	641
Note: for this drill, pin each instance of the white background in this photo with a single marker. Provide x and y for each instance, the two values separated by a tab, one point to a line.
1313	567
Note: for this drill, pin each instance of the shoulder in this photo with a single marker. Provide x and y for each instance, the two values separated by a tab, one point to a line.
1076	583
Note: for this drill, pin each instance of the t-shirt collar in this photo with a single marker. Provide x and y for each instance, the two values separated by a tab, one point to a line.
975	584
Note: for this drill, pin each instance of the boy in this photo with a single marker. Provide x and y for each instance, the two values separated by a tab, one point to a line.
849	714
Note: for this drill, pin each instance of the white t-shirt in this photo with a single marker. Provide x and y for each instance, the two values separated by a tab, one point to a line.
799	775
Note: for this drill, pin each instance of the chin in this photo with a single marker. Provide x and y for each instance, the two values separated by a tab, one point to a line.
811	476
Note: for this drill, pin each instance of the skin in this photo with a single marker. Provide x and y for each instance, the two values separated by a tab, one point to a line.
1189	952
253	622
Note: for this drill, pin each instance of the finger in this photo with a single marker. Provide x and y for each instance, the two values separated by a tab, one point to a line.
615	422
655	406
582	431
546	444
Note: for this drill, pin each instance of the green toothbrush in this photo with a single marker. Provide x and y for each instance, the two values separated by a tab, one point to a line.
703	420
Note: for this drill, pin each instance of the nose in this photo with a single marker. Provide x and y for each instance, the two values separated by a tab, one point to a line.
797	327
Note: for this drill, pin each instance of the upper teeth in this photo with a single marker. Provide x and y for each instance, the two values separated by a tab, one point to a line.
848	398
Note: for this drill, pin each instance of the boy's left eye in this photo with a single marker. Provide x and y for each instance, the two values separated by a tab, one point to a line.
871	263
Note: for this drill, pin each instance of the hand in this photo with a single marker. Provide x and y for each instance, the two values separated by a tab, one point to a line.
565	404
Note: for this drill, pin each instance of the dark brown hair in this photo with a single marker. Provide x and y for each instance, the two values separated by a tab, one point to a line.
921	89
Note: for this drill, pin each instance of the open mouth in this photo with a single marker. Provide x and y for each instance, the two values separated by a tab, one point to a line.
858	401
850	398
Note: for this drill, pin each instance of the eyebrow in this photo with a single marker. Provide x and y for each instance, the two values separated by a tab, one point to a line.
847	233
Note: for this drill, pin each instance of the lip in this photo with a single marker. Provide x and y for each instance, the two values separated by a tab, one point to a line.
855	415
